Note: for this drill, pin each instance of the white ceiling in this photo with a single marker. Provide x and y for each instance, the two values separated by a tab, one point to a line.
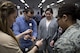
35	3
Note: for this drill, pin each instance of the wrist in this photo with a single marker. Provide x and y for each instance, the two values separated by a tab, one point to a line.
37	46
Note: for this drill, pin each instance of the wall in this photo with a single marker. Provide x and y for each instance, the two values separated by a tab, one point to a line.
55	11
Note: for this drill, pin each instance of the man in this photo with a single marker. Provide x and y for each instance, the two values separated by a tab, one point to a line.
23	23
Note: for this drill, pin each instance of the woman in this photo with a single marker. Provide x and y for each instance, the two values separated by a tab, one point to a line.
69	42
47	28
9	43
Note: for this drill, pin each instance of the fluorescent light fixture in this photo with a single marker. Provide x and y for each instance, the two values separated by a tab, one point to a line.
52	4
41	7
26	5
22	1
18	7
43	1
39	4
48	6
60	1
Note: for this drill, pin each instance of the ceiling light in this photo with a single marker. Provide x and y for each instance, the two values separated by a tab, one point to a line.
26	5
41	7
60	1
52	4
18	7
22	1
43	1
39	4
48	6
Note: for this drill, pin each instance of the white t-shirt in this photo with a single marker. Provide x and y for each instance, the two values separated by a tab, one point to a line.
47	24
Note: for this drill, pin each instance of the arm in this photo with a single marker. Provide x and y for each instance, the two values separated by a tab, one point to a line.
54	34
4	49
34	49
39	31
34	29
15	28
71	45
34	33
62	46
24	33
9	45
55	31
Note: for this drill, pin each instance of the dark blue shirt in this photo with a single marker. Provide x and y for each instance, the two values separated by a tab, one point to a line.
22	25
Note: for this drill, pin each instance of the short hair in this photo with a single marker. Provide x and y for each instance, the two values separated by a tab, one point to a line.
29	10
49	9
68	9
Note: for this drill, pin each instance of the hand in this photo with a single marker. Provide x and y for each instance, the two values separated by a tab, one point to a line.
27	37
33	38
39	42
27	31
52	43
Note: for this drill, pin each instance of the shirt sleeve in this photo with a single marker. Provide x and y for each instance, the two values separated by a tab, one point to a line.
9	45
39	31
15	28
55	32
10	50
34	29
68	45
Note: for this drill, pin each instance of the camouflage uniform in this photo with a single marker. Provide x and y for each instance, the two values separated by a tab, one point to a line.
69	42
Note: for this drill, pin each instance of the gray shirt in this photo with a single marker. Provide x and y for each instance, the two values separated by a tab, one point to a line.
47	34
52	29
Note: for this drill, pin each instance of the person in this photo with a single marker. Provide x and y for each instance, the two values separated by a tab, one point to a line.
9	42
21	13
37	18
22	24
69	41
47	28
